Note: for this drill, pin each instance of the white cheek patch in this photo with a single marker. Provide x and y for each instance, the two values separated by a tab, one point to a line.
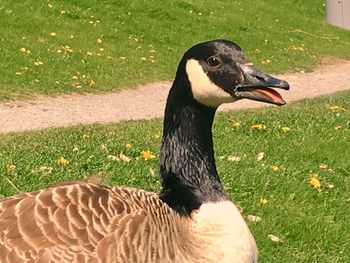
203	89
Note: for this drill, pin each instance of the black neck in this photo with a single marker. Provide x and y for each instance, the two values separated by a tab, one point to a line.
187	164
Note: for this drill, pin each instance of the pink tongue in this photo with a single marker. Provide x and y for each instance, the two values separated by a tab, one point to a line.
270	94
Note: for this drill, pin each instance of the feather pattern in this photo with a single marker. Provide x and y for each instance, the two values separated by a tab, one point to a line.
83	222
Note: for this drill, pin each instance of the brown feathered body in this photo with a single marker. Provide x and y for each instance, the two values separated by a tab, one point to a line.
82	222
88	223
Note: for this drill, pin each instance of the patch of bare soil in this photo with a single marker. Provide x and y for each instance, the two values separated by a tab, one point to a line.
148	102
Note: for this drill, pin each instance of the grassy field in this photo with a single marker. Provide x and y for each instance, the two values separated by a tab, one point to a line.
289	165
52	47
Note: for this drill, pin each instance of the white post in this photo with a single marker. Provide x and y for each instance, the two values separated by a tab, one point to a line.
338	13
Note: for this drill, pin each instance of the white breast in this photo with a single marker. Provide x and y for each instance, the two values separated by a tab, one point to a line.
222	235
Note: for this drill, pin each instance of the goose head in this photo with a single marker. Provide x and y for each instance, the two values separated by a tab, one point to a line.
219	72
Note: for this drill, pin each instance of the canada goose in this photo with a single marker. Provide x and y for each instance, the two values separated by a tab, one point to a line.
191	220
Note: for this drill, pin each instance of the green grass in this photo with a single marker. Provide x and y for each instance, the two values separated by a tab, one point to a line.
313	223
143	40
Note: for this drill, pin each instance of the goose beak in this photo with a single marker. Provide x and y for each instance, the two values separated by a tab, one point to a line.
258	86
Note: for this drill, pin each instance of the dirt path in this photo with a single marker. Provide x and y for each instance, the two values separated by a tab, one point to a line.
147	102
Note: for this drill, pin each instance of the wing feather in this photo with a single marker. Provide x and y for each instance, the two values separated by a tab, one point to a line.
84	222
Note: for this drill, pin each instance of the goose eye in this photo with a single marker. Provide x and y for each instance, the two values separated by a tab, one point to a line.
213	62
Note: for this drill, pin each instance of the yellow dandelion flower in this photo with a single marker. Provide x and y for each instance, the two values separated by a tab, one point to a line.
10	167
67	48
38	63
236	125
59	51
62	161
258	127
285	129
147	155
53	34
263	201
99	40
314	182
275	168
336	108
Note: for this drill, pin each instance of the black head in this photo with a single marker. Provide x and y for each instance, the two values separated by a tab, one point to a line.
219	72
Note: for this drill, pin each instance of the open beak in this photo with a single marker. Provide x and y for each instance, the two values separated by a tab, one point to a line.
258	86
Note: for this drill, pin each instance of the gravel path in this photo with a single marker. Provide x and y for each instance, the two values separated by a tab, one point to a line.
148	102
